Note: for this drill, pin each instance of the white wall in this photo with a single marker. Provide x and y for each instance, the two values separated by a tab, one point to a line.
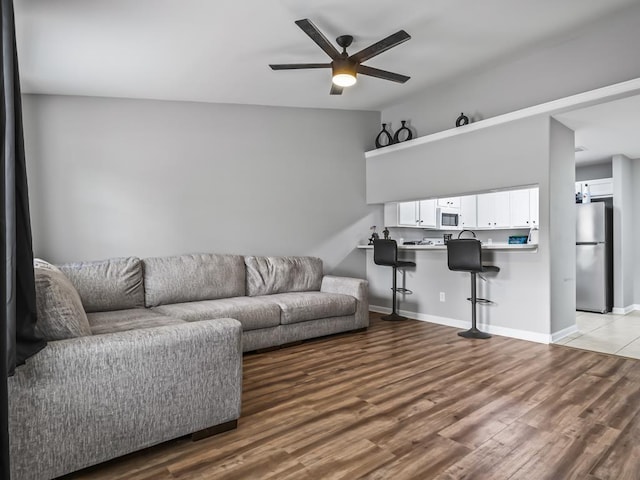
117	177
594	171
599	55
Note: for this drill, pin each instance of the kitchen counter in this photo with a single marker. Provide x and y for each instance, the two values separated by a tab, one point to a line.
486	246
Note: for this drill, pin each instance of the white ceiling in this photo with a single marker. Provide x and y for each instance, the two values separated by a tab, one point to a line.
605	130
219	50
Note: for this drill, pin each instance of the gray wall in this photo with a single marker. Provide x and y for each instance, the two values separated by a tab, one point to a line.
594	171
596	56
635	215
116	177
502	156
507	155
623	238
562	240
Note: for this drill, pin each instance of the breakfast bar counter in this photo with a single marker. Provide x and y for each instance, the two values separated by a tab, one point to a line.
485	246
439	295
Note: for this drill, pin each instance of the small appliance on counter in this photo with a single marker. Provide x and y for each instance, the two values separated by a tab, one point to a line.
518	239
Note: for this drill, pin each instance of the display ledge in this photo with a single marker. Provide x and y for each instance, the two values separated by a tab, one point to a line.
580	100
486	246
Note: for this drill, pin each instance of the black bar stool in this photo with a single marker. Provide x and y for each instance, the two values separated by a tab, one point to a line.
385	253
465	255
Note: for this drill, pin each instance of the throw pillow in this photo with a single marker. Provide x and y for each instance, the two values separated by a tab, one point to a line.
60	312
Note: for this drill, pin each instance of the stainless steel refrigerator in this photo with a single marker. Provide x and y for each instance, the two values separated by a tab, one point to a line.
594	257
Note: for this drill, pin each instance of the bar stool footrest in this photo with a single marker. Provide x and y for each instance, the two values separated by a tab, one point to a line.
484	301
403	290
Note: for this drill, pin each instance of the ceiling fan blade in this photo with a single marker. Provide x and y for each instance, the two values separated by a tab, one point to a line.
335	89
298	66
381	46
317	36
376	72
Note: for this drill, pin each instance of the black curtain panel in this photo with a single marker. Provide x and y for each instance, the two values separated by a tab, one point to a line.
17	287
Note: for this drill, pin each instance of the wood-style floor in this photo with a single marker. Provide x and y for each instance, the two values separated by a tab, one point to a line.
412	400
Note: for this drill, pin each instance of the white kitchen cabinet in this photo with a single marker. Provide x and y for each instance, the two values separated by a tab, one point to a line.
449	202
599	187
468	214
494	210
427	213
602	187
519	210
534	207
420	214
408	215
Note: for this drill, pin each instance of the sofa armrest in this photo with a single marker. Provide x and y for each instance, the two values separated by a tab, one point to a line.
356	287
85	400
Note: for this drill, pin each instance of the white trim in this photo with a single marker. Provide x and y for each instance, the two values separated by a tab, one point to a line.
465	324
565	332
625	310
585	99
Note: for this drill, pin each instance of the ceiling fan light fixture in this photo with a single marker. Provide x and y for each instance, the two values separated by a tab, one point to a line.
344	73
344	79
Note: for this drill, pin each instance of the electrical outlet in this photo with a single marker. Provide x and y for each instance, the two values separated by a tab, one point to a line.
442	297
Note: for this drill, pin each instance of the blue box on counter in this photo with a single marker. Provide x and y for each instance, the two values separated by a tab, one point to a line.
518	239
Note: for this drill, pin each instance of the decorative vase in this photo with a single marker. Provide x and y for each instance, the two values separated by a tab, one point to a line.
401	131
384	138
462	120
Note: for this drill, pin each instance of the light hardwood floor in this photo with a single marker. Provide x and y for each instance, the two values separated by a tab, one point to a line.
412	400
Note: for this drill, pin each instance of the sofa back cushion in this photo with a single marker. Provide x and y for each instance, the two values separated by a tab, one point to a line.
268	275
106	285
194	277
59	308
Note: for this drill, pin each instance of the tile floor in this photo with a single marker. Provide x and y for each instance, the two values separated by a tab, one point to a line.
606	333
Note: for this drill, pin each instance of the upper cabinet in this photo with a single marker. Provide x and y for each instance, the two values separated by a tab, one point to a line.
519	208
506	209
601	187
494	210
534	207
450	202
420	214
468	212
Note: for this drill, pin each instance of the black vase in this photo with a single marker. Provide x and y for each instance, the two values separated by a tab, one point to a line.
384	138
462	120
397	138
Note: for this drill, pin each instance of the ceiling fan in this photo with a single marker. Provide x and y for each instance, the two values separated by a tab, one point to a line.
345	67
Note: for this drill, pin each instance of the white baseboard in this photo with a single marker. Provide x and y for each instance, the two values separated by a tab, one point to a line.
465	324
625	310
559	335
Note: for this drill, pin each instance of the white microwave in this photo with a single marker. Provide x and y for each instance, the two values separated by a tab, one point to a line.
448	218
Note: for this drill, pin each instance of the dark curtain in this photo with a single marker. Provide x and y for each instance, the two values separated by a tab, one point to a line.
17	286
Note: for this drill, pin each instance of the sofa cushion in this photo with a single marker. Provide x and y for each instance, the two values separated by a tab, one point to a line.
304	306
268	275
253	313
190	278
104	285
59	308
123	320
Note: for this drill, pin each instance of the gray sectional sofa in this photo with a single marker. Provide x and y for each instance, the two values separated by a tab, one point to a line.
143	351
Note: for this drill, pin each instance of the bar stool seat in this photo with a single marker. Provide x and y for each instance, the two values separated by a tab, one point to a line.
385	253
465	255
